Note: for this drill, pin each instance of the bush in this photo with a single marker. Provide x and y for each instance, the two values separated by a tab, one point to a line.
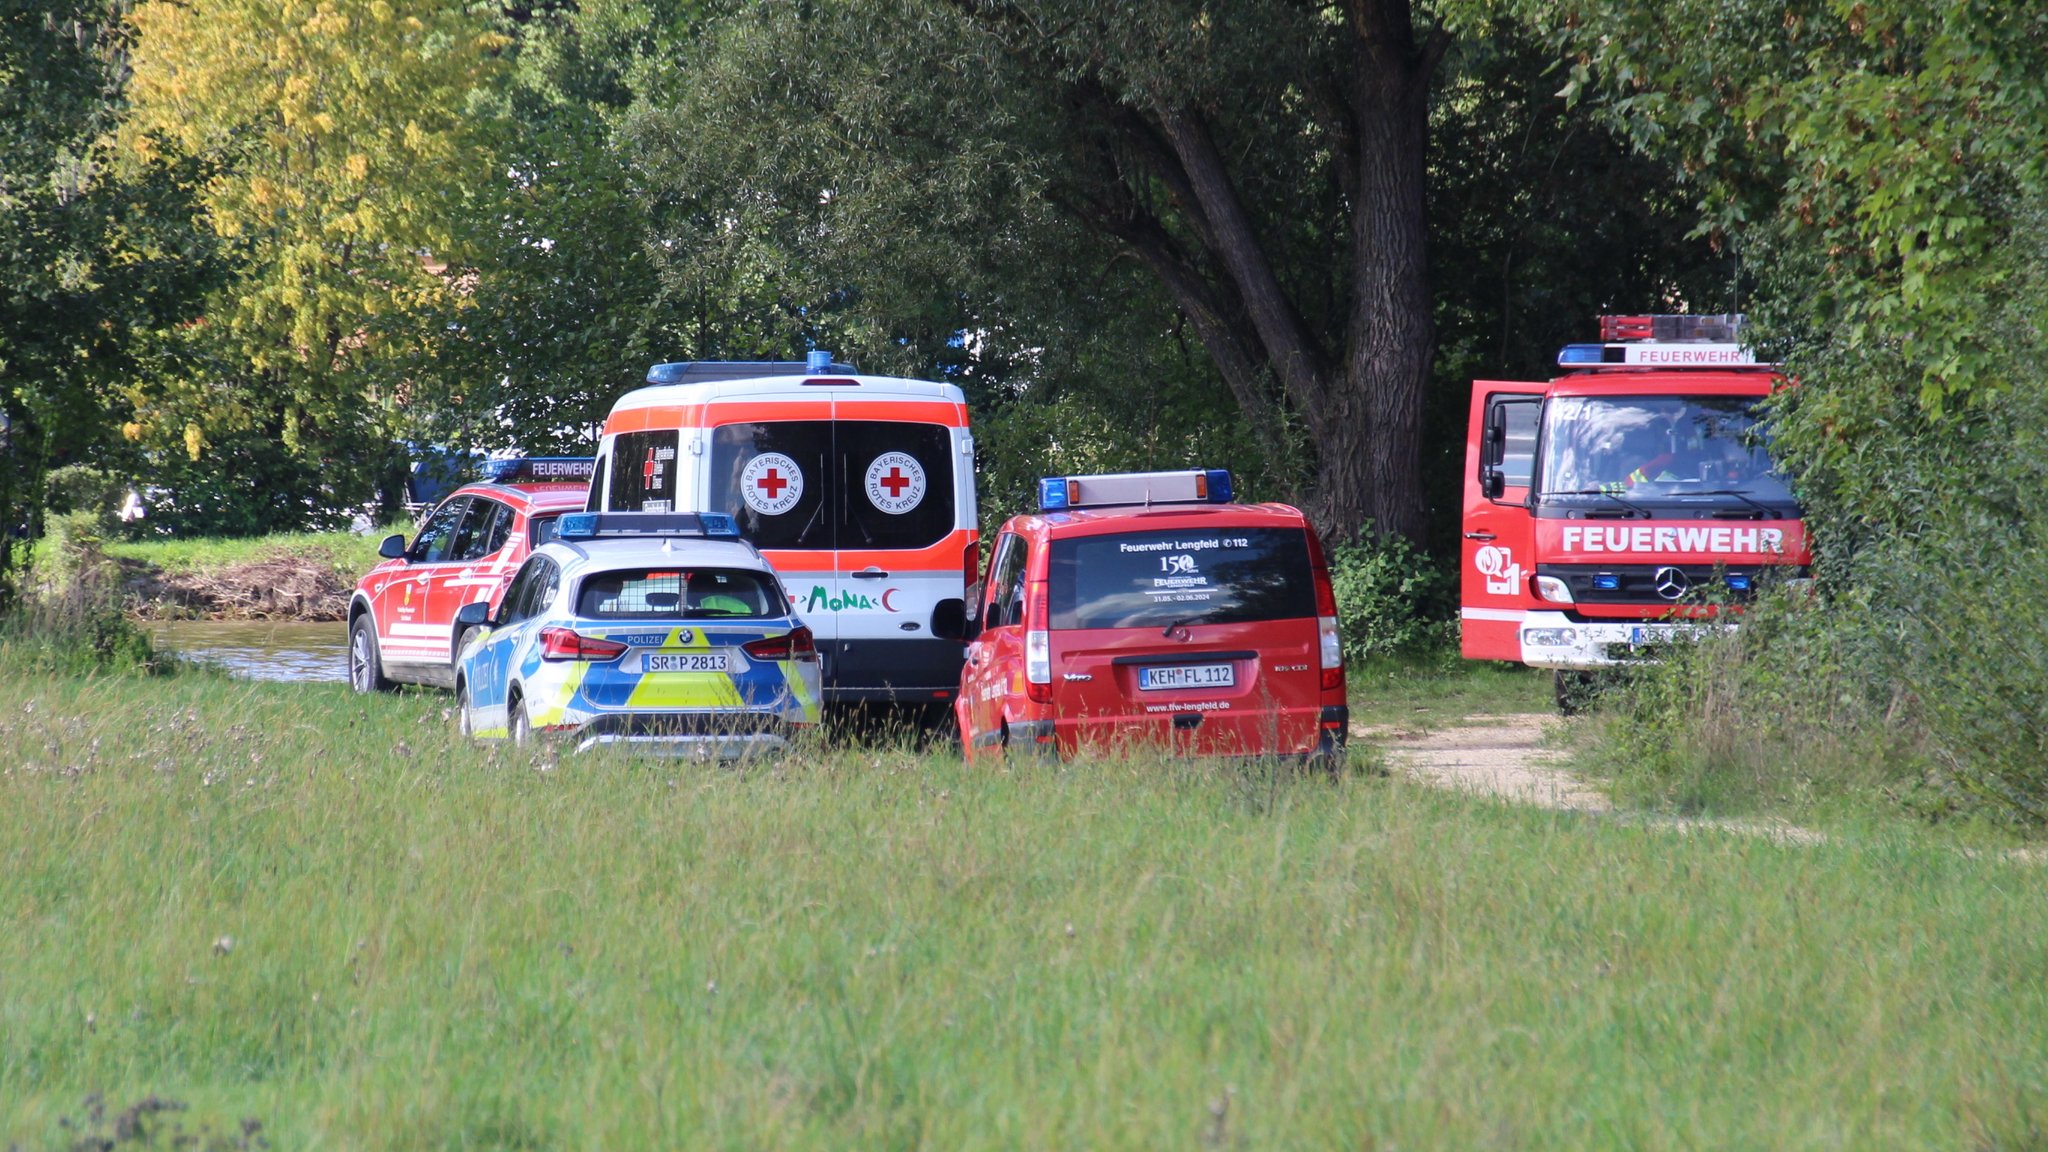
81	488
72	619
1393	600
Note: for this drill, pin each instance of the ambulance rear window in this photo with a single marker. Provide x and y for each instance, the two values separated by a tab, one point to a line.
1194	576
668	594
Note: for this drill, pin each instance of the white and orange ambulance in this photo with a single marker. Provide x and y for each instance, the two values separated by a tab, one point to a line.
1596	502
858	489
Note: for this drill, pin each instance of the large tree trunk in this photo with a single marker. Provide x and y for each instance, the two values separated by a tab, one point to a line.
1370	446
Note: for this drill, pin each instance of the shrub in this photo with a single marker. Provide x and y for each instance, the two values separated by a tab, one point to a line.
1393	599
71	621
81	488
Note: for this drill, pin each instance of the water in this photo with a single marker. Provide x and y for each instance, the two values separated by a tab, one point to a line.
260	649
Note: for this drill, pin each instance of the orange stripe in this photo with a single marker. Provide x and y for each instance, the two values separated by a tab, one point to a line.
665	416
941	557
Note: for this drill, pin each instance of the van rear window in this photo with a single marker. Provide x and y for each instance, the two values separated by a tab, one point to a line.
678	594
1159	578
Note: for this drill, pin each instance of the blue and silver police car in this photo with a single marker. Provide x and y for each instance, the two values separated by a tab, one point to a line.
662	631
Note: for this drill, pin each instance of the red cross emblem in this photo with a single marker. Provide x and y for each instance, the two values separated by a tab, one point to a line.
647	469
895	482
772	483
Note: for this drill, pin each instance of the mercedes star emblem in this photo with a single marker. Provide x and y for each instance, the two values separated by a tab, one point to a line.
1671	583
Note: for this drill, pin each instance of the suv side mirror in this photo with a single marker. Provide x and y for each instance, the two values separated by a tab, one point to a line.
475	614
393	547
1492	483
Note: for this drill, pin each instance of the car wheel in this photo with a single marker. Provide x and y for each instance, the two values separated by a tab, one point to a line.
365	667
516	721
464	726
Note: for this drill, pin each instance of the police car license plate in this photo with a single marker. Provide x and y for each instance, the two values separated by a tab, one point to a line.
1154	677
683	662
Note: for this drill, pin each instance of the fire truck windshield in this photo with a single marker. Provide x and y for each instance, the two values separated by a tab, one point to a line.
1688	450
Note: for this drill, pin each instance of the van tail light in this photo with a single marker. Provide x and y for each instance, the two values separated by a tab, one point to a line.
796	644
1037	645
970	564
569	644
1329	637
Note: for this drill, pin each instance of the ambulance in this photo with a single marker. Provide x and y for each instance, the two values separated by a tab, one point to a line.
858	489
1617	505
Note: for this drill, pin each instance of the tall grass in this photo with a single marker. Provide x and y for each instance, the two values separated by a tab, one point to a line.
323	912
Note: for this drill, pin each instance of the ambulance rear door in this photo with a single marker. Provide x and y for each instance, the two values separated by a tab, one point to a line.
771	464
1497	558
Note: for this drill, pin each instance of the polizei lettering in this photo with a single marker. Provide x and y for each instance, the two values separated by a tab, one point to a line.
1671	538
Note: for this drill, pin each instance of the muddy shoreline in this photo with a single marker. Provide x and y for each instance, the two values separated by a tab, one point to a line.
279	586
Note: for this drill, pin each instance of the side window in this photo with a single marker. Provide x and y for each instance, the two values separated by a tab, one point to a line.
595	501
482	532
522	598
544	588
643	472
437	535
1005	578
1511	438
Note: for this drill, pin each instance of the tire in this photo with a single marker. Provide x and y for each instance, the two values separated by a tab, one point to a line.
516	723
463	725
365	663
461	642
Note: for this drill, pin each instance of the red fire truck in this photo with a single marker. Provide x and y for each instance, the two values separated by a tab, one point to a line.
1598	504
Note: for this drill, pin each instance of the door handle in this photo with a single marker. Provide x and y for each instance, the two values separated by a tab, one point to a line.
869	573
1478	535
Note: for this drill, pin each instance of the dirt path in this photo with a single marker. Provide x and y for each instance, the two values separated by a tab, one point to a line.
1505	756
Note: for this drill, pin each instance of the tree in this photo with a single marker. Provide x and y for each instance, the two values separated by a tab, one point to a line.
1264	162
340	152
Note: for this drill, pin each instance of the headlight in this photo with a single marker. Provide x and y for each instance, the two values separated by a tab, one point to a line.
1550	637
1553	589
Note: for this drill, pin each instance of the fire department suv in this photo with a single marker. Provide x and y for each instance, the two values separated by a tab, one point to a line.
858	489
401	619
1596	502
1147	609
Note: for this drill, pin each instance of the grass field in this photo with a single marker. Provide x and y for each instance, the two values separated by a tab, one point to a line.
324	913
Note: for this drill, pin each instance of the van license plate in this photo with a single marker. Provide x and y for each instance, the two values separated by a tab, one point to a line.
683	662
1157	676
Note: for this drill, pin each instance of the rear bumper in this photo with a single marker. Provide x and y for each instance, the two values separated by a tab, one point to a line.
694	735
912	670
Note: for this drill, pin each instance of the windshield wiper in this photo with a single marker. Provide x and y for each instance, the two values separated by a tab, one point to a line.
1633	508
1763	509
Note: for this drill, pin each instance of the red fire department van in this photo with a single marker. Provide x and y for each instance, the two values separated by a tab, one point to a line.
1594	503
1147	609
401	619
858	489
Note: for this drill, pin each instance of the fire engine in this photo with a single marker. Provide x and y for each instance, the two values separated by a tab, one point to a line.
1618	504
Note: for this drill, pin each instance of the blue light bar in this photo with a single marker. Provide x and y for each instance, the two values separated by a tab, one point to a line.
1115	489
1739	583
818	361
708	371
539	469
1607	582
646	525
1583	354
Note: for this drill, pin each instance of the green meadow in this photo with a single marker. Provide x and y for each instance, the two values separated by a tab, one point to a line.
327	915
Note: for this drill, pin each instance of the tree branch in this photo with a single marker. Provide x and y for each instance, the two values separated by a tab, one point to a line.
1290	350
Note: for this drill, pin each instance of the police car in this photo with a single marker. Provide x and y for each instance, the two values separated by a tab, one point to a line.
401	618
656	630
1149	609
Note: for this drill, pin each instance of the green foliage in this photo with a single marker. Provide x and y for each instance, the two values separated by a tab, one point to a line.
72	622
1394	600
1885	168
84	488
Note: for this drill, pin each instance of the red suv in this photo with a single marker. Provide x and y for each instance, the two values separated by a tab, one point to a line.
1146	609
401	620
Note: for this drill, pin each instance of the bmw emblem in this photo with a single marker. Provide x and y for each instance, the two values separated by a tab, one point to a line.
1671	583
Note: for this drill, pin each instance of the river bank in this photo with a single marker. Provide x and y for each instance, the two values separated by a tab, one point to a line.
304	577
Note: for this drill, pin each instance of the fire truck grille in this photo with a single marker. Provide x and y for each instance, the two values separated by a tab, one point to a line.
1661	584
